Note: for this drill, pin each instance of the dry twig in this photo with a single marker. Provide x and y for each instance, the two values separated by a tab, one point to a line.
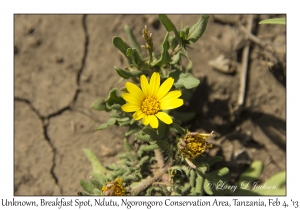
244	69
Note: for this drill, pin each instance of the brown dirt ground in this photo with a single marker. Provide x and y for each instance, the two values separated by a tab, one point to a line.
65	62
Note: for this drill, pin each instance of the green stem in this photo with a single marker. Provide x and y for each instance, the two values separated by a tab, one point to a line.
176	50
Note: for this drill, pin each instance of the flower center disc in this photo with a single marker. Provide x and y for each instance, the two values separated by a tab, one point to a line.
150	105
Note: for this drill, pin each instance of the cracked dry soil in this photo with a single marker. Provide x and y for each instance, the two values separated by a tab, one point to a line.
65	62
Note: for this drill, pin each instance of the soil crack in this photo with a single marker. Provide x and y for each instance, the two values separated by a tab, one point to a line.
45	121
86	43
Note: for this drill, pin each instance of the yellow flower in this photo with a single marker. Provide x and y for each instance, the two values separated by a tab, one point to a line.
114	188
147	102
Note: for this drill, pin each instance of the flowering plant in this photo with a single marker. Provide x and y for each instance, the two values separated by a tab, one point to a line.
164	157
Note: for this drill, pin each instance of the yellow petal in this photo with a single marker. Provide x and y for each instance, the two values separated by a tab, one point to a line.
171	96
128	107
138	115
144	85
153	121
134	90
164	88
145	120
164	117
171	104
131	99
154	84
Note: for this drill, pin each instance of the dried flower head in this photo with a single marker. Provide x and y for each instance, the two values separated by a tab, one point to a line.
114	188
193	144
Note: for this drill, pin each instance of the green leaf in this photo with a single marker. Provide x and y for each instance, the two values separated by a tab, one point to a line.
214	160
123	119
164	57
192	178
175	59
116	107
184	33
147	148
187	80
273	21
97	166
142	137
99	105
121	45
165	146
178	128
180	168
151	132
208	187
201	168
119	172
197	30
175	74
215	179
96	183
127	146
199	185
90	188
223	171
142	161
186	30
124	123
189	67
132	129
113	98
134	55
271	187
82	194
252	173
100	177
110	122
127	74
278	179
173	42
186	188
122	156
187	95
133	40
161	129
184	116
169	26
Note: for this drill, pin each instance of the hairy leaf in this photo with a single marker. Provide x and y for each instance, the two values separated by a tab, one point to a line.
113	98
184	116
147	148
178	128
164	57
110	122
121	45
151	132
128	74
134	55
97	166
169	26
99	105
133	40
197	30
252	173
187	80
90	188
273	21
